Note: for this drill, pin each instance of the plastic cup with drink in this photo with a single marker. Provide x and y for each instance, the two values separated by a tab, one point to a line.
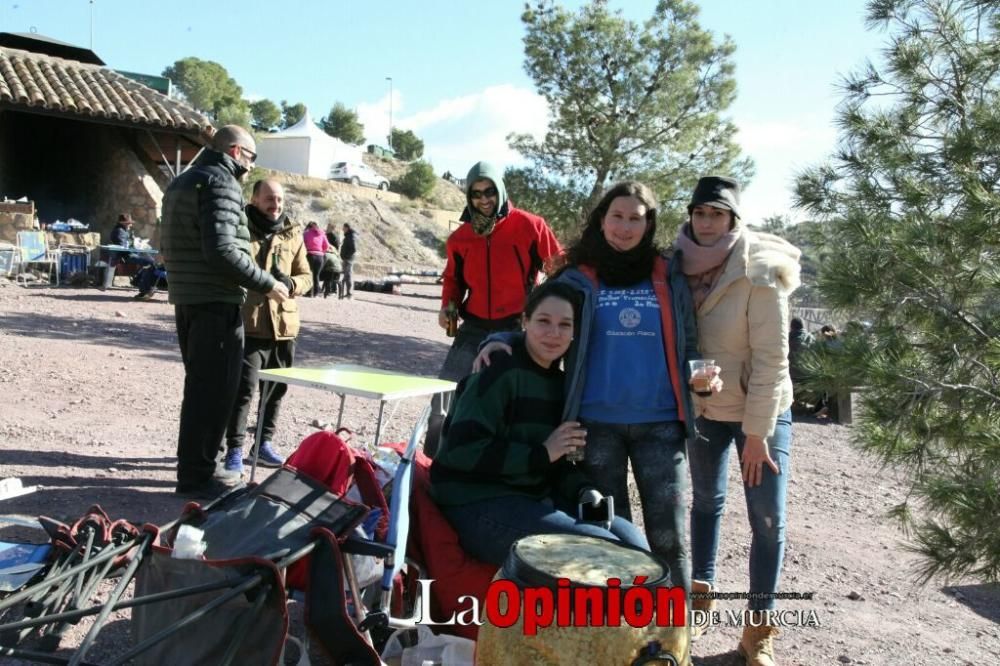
702	372
576	455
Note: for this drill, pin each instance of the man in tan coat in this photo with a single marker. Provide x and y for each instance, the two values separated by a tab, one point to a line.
271	327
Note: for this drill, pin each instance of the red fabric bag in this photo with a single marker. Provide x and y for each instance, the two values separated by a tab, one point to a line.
434	543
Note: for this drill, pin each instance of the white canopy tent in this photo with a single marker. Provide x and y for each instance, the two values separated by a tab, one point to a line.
304	149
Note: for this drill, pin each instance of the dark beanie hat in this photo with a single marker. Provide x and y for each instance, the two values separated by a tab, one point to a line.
717	191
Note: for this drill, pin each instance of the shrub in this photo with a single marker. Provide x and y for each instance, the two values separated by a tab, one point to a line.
418	181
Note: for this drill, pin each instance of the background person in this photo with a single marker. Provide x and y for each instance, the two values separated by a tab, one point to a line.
316	247
740	281
828	404
799	341
501	473
348	252
271	327
122	235
332	264
493	261
206	246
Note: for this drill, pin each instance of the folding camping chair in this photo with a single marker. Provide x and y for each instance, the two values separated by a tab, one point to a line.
34	249
231	606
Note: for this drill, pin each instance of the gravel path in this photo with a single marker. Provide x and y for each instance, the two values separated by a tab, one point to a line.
90	386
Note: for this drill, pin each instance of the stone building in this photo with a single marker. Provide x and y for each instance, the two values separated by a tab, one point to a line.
83	141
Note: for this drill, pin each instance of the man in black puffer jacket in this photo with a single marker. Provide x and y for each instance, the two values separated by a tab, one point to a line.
206	247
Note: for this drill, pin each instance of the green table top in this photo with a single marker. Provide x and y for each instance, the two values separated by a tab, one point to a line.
361	381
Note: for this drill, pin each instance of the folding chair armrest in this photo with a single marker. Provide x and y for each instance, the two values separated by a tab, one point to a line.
356	546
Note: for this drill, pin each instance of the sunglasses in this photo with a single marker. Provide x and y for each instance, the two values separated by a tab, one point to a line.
489	192
249	153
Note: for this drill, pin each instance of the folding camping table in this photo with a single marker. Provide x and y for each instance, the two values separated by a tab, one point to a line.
344	380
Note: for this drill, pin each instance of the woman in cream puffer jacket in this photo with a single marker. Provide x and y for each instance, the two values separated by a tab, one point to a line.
740	281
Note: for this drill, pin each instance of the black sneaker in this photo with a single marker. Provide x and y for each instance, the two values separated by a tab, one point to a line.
211	490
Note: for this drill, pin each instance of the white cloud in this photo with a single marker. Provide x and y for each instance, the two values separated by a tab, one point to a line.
780	149
460	131
798	133
375	117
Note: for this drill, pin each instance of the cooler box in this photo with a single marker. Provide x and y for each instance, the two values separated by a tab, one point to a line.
73	260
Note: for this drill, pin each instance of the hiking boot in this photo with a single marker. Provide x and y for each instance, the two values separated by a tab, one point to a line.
700	604
756	646
233	462
268	456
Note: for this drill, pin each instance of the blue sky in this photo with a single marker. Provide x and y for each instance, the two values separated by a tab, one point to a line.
456	67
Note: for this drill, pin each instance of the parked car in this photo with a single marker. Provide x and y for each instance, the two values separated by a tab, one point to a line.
358	174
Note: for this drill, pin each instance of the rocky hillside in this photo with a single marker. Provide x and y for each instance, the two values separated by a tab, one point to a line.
395	232
445	195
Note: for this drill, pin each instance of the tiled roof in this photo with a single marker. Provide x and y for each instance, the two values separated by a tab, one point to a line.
42	82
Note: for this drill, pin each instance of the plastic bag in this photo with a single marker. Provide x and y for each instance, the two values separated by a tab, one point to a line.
367	568
443	649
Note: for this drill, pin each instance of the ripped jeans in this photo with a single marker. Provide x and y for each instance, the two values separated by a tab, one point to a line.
656	451
709	461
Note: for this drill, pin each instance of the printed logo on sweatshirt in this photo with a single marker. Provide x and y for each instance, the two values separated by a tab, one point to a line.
629	317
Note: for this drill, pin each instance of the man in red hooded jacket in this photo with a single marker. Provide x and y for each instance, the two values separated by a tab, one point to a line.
494	259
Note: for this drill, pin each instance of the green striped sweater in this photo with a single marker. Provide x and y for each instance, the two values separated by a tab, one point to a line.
493	439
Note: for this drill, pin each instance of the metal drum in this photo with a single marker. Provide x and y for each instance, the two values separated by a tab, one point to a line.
569	599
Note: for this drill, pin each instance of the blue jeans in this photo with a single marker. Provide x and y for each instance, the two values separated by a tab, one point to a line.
709	462
658	458
488	528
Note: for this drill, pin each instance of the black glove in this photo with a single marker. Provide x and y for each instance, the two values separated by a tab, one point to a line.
281	277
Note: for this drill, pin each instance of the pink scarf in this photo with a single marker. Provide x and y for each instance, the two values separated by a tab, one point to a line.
703	264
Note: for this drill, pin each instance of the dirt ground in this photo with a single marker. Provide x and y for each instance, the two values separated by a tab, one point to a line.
90	386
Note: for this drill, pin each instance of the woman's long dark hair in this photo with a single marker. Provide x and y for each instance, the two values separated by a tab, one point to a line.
613	267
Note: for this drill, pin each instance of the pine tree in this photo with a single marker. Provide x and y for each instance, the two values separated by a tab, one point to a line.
407	145
911	206
291	113
343	123
265	114
207	86
629	100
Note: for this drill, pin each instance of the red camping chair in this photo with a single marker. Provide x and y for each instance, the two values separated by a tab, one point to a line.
434	543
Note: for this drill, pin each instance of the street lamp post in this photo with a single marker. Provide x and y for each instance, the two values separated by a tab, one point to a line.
389	79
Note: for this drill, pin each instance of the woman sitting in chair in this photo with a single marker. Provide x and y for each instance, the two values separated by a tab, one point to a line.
501	473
